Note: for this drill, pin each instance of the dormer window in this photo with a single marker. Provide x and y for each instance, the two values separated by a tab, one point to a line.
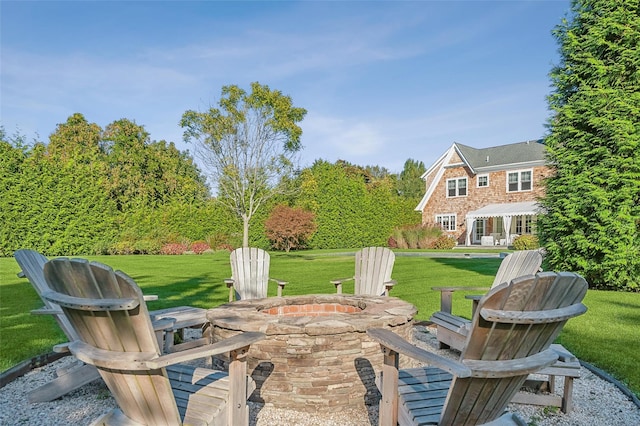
520	180
457	187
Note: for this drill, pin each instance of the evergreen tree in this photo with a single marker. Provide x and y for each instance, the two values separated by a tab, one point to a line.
410	183
592	225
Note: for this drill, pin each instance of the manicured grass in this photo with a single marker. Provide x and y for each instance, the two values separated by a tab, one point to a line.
606	336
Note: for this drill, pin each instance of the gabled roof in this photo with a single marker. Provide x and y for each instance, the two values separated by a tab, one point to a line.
484	160
503	156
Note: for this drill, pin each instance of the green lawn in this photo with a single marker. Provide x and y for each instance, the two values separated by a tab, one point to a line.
606	336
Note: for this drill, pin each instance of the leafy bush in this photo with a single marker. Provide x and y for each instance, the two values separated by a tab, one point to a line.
199	247
173	248
526	242
123	247
444	242
147	246
289	228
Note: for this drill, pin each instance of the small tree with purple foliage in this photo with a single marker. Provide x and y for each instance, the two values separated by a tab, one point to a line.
289	228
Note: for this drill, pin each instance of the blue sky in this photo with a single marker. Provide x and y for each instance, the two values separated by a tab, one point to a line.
382	81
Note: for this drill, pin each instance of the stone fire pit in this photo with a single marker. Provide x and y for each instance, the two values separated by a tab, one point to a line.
316	355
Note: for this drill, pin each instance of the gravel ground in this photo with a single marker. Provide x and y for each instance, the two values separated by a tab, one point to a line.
596	402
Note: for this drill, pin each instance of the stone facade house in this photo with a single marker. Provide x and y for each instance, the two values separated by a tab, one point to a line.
485	196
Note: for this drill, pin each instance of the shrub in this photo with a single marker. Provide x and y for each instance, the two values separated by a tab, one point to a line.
289	228
526	242
416	236
122	247
173	248
199	247
222	241
147	246
444	242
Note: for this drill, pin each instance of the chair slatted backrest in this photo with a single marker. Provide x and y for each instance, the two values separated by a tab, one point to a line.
250	272
513	322
374	266
517	264
107	310
32	263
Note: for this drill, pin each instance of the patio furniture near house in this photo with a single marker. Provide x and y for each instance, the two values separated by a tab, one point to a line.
510	337
250	274
486	240
452	330
166	322
373	269
106	309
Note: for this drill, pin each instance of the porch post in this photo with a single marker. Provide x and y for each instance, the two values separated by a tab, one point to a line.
469	228
506	222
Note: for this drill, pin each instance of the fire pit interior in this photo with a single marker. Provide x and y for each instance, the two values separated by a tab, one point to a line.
316	355
311	309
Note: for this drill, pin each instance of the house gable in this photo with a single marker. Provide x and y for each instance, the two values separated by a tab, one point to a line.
503	174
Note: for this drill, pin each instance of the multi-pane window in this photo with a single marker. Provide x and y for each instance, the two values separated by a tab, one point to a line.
524	224
519	181
446	221
483	181
457	187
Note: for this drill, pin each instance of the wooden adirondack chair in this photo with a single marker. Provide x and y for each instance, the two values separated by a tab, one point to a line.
166	322
510	337
250	274
374	266
107	311
452	329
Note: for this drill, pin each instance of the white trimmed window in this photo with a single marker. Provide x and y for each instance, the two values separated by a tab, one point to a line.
446	221
483	181
520	180
524	224
457	187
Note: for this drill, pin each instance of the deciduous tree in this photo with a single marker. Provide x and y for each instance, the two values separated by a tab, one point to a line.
289	228
247	146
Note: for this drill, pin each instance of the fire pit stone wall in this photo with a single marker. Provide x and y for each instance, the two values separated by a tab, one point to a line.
317	355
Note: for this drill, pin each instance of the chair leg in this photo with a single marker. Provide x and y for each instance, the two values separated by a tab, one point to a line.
168	341
238	410
62	385
389	402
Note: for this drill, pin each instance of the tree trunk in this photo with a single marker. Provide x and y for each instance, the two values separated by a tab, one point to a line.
245	231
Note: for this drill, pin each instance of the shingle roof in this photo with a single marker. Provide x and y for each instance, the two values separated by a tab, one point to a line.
515	153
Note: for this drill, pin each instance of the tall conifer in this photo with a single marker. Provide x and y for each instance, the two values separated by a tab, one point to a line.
592	225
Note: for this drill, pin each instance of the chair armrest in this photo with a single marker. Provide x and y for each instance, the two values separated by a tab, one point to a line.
163	323
392	341
338	283
475	297
281	285
144	361
46	311
341	280
62	348
279	282
388	285
233	343
447	292
511	367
